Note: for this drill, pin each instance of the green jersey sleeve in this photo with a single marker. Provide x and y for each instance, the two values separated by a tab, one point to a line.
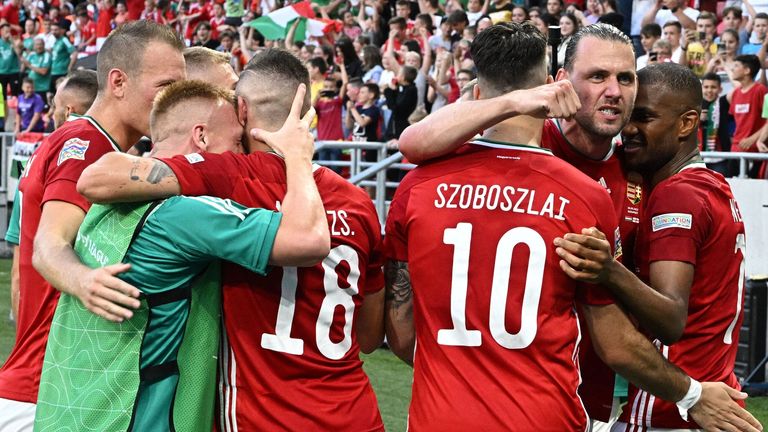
765	106
14	225
203	228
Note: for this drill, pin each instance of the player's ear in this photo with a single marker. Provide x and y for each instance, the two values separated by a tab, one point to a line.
199	136
476	92
117	81
242	110
561	75
689	123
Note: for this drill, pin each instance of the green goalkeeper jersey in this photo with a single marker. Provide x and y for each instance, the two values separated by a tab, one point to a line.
155	371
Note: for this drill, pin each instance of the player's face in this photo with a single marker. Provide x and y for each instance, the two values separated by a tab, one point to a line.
161	66
650	139
710	90
603	75
225	133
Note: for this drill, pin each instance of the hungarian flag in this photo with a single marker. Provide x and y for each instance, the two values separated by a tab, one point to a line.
275	25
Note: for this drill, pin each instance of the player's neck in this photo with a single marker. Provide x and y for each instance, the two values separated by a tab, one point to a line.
523	130
105	114
674	166
591	146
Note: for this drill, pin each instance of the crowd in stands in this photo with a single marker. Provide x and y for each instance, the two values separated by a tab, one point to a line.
380	65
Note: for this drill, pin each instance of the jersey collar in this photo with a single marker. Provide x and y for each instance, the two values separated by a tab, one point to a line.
510	146
608	155
692	164
98	127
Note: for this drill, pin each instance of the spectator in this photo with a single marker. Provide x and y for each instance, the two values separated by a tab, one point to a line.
732	20
199	12
402	97
217	21
648	36
458	21
671	33
715	122
700	44
519	14
442	39
345	53
203	36
569	25
746	101
759	30
29	109
666	11
60	56
363	117
328	105
661	52
47	34
317	73
87	34
413	59
30	32
476	9
121	14
397	28
593	12
152	13
104	21
9	61
555	8
372	64
38	63
11	14
504	5
722	63
359	43
234	11
351	28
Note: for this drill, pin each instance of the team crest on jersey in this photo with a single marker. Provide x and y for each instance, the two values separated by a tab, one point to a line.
617	250
634	189
73	148
671	220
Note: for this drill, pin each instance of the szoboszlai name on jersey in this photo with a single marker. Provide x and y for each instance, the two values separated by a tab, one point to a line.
500	197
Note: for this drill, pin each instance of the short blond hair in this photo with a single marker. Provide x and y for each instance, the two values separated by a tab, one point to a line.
201	58
184	92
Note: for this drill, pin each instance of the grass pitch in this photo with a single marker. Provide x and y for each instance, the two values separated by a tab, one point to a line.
391	378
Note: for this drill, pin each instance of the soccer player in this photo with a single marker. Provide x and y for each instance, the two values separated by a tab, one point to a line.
290	358
170	245
489	358
205	64
76	94
691	246
600	64
137	60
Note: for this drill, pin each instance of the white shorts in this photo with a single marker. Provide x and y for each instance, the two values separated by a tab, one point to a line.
16	416
621	427
598	426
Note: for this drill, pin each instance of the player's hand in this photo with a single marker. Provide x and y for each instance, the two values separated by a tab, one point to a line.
293	140
107	296
717	410
585	257
554	100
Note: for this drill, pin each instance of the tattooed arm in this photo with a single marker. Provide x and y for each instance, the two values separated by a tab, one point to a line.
398	310
118	177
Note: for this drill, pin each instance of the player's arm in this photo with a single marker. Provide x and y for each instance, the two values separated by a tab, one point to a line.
398	310
303	238
370	322
633	356
55	259
119	177
450	127
661	308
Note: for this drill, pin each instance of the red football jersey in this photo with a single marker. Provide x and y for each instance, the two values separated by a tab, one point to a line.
51	175
692	217
496	326
290	359
626	193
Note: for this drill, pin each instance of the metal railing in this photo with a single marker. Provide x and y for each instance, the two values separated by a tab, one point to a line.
362	173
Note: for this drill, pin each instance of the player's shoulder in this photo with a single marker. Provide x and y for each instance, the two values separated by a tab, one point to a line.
81	131
695	186
334	187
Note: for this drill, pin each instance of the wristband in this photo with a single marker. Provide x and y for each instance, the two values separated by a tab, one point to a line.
690	399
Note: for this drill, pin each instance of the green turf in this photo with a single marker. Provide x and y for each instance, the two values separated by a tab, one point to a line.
391	378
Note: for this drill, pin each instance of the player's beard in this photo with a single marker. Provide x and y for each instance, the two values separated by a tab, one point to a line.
588	123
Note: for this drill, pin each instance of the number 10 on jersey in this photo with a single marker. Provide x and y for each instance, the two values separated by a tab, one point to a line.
461	237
